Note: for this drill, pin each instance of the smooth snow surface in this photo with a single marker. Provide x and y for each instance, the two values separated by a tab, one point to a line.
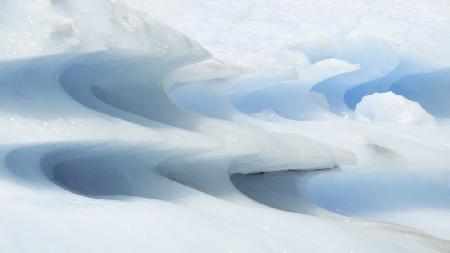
224	126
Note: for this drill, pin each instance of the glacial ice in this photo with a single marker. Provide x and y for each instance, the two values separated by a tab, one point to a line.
413	87
172	125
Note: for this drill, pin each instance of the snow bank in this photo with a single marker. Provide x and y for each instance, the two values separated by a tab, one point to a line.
52	27
389	107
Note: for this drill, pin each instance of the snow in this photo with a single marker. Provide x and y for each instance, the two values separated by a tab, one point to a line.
387	195
389	107
175	125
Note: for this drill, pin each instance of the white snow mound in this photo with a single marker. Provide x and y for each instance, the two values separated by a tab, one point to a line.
389	107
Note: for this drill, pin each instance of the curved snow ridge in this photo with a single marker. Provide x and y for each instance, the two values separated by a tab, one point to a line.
138	89
130	135
113	89
109	91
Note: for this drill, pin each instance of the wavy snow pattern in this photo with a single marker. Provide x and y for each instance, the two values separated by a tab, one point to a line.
108	144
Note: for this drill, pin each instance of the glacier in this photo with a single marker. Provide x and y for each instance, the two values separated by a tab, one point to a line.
212	126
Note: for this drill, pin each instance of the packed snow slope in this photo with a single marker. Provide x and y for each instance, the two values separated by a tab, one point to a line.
174	126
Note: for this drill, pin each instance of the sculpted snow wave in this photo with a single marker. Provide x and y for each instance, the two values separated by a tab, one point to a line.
118	133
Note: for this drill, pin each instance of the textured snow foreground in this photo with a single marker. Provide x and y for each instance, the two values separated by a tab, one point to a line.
121	134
